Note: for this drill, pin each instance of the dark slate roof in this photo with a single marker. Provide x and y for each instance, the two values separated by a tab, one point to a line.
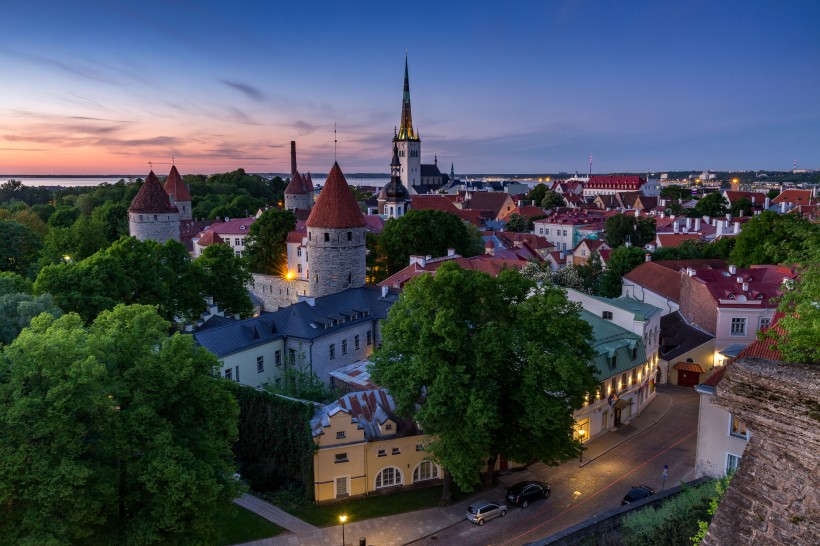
430	170
678	337
301	320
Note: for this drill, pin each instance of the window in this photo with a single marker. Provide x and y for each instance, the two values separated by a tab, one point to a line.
355	341
583	253
732	462
327	237
277	358
237	373
344	346
341	458
546	231
388	426
613	361
228	373
340	435
738	327
426	470
607	315
332	351
369	338
260	364
382	453
350	233
396	451
764	322
565	233
299	252
388	477
342	489
737	429
298	268
419	447
634	352
292	356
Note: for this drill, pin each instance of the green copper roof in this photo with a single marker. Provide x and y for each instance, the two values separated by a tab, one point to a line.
641	310
610	340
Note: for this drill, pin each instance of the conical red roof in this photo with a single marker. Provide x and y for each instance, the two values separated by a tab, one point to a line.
296	186
176	187
308	180
152	197
336	206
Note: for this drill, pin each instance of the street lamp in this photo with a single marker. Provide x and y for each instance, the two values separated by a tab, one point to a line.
343	519
581	434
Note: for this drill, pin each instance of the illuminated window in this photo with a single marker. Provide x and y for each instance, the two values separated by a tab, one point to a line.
426	470
388	477
737	428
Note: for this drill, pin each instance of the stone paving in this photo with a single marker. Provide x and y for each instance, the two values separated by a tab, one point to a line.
410	527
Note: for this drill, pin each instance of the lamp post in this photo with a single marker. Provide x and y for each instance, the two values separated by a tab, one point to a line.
343	519
581	434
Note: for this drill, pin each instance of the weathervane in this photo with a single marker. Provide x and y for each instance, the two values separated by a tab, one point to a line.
334	141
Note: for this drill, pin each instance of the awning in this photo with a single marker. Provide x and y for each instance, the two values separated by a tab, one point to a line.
733	350
621	404
689	367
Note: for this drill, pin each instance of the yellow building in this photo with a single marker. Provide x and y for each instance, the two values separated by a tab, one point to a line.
364	448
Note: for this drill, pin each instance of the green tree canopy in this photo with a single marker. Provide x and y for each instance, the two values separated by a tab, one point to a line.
426	232
713	204
11	283
675	191
17	310
493	371
517	223
770	238
621	261
266	244
226	278
742	206
19	246
112	434
537	193
552	199
619	227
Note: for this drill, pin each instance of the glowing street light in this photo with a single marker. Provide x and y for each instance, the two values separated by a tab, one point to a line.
343	519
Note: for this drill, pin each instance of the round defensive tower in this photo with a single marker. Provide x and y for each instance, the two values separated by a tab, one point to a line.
178	193
151	215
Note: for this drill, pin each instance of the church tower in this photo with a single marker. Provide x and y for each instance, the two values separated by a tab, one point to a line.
151	215
394	199
337	233
178	192
408	141
297	194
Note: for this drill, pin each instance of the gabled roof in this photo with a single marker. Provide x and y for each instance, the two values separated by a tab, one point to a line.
209	238
796	197
610	340
674	240
152	198
658	279
492	265
760	283
679	337
336	207
234	226
433	202
490	200
369	409
175	187
355	374
615	182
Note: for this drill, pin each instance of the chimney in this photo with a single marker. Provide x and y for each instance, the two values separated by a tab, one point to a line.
647	257
688	224
451	251
767	203
741	213
676	227
782	207
737	228
489	247
739	279
292	157
732	269
745	287
690	271
697	224
637	213
707	219
728	215
385	290
420	260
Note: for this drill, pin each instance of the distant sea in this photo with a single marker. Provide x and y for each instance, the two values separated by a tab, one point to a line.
370	180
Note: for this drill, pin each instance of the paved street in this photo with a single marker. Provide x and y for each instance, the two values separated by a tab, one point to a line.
665	433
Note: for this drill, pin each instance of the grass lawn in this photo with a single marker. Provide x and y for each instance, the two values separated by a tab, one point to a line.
372	507
242	525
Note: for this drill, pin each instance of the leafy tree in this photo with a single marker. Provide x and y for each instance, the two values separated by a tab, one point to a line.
770	238
64	217
299	382
675	208
112	434
721	248
426	232
619	227
622	260
265	246
485	369
11	283
771	194
44	211
226	278
713	204
19	246
17	310
742	207
375	259
676	192
517	223
112	219
31	220
537	193
552	199
78	241
590	273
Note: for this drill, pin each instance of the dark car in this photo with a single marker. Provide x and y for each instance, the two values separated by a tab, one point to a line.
637	493
523	493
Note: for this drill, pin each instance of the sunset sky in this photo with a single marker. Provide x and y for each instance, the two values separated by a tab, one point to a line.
105	87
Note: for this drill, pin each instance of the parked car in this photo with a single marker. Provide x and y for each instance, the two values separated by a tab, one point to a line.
482	510
523	493
637	493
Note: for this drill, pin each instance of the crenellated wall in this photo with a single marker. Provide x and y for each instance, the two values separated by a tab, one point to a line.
774	497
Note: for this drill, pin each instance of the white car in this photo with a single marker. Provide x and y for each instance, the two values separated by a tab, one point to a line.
482	510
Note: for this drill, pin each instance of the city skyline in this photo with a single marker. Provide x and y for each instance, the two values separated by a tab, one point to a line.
105	87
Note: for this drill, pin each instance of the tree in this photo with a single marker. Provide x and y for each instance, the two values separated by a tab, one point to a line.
742	207
78	241
713	204
18	247
621	261
770	238
537	193
112	219
619	227
517	223
552	200
676	192
11	283
487	366
771	194
64	217
18	308
112	434
426	232
265	246
226	278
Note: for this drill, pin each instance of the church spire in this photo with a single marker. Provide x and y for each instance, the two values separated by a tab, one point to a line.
406	131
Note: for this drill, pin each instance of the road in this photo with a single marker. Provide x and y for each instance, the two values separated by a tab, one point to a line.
580	491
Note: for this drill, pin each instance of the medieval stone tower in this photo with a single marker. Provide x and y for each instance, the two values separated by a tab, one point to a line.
151	215
336	239
394	199
179	195
408	141
299	193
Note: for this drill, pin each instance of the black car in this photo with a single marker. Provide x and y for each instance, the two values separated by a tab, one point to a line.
637	493
523	493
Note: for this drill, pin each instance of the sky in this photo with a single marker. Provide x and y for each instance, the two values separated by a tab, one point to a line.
113	87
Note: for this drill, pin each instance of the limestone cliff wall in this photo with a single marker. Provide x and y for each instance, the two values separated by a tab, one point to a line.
774	497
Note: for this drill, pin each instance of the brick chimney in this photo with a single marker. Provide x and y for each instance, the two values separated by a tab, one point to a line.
292	157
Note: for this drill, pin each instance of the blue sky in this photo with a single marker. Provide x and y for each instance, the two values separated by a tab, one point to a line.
521	87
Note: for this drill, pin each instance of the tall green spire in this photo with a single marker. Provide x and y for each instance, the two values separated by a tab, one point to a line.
406	131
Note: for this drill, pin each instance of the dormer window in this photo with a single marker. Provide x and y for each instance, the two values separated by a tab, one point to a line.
243	228
731	296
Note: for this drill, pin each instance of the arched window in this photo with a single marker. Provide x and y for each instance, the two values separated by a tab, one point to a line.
426	470
388	477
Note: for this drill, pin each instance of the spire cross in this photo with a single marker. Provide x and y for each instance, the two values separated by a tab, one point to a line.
150	164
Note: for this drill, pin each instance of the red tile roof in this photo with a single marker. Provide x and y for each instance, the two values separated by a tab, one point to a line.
762	283
175	187
615	182
296	185
659	279
674	240
797	197
308	180
433	202
152	197
296	237
336	206
486	263
492	201
235	226
689	367
717	376
209	238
